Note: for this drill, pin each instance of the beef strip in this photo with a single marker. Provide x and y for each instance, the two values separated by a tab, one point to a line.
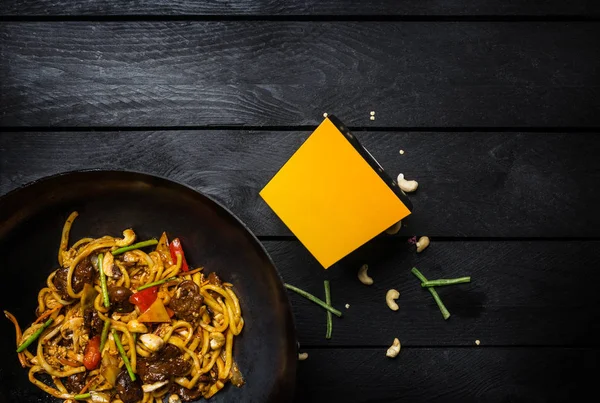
129	391
75	382
84	273
185	394
119	299
92	322
162	365
187	301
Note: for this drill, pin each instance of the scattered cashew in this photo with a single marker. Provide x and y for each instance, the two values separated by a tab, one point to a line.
363	276
302	356
390	299
407	186
422	243
128	238
394	228
394	349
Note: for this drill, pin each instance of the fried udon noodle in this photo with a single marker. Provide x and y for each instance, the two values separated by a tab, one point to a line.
116	323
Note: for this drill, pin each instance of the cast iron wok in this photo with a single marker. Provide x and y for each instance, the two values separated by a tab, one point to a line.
31	219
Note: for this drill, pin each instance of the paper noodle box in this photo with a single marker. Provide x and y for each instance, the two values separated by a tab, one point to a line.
333	195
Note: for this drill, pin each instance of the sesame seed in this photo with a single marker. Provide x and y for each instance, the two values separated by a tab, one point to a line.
372	117
477	342
372	113
347	306
402	152
325	114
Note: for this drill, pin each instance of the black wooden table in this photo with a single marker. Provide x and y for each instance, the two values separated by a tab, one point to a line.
495	103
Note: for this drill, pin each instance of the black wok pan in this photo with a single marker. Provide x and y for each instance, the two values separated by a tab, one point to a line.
31	219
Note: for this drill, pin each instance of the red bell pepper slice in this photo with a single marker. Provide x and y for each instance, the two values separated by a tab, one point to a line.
143	299
91	354
175	247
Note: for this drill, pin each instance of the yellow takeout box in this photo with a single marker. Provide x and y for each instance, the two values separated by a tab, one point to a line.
333	195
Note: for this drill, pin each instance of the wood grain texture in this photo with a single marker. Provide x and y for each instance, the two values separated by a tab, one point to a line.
469	375
471	184
295	8
412	74
522	293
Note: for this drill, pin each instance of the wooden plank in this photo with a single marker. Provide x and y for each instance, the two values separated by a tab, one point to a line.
441	375
522	293
300	8
412	74
471	184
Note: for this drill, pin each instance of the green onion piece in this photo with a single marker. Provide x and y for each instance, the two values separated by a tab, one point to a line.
34	336
82	396
138	245
135	336
103	282
314	299
159	282
329	317
104	334
445	281
123	355
433	292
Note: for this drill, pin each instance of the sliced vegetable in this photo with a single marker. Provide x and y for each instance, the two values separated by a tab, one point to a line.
138	245
104	334
159	282
143	299
155	314
34	336
176	248
445	281
314	299
433	292
103	284
82	396
170	312
91	354
110	373
88	295
329	317
123	355
163	248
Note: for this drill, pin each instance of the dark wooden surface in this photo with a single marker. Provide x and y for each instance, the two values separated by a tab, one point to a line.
496	104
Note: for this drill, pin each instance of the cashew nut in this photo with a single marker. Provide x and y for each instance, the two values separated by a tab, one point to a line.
394	228
394	349
128	238
174	399
390	299
151	341
422	243
407	186
136	327
302	356
363	276
217	340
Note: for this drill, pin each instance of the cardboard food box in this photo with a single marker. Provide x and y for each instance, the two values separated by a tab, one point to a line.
333	195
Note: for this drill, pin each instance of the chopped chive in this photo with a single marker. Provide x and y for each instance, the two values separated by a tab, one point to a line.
103	284
82	396
123	355
329	317
138	245
159	282
433	292
104	334
34	336
314	299
445	281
